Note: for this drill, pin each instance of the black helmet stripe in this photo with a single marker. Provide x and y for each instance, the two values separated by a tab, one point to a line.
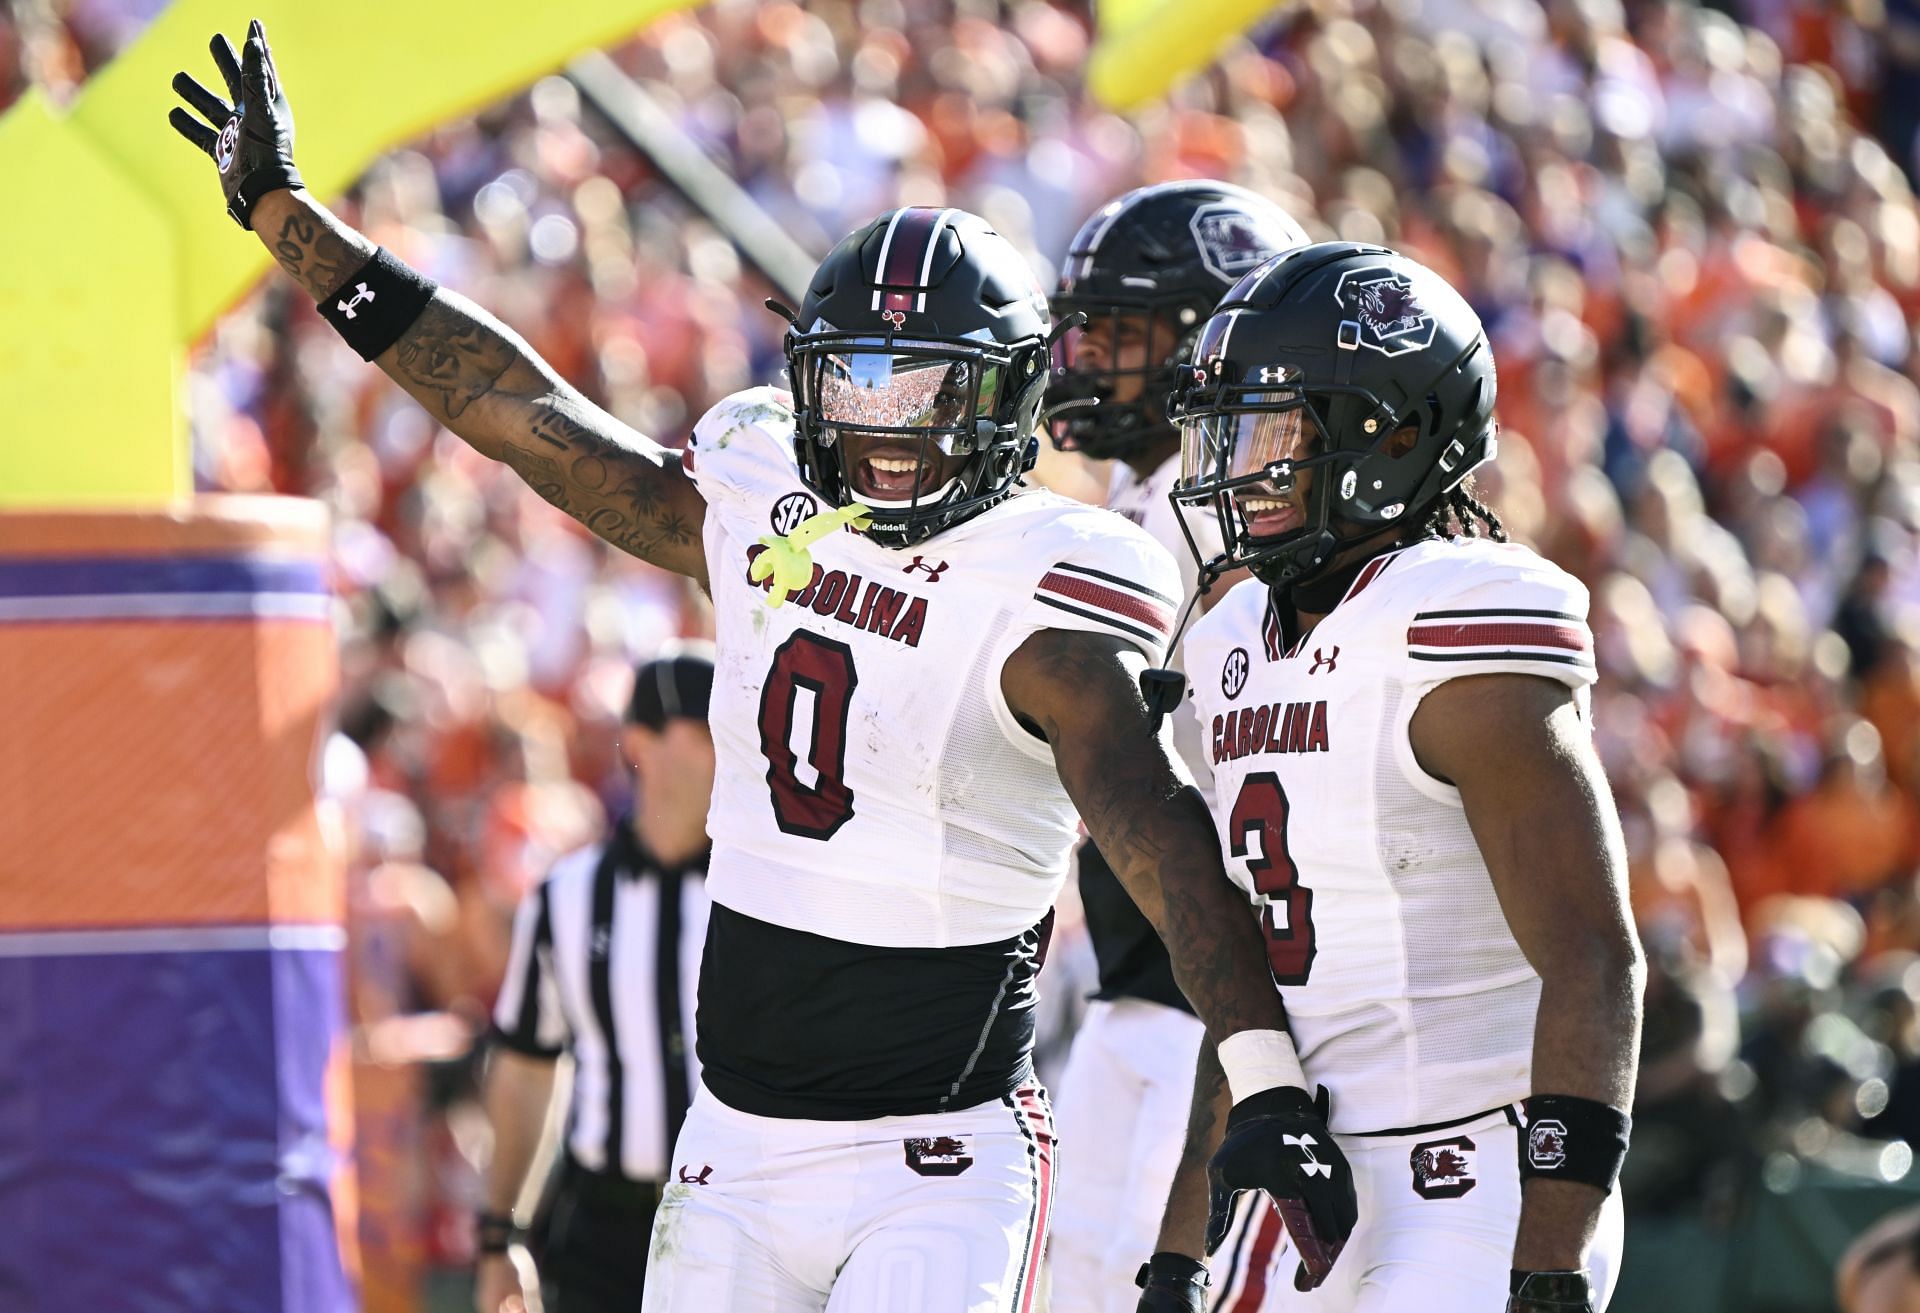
906	253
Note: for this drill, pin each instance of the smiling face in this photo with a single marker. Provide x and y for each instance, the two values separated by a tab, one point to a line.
1275	506
889	468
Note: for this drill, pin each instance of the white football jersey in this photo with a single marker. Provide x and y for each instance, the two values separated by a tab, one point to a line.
1145	502
1408	997
872	784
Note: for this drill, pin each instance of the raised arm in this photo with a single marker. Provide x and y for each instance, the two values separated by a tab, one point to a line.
472	373
1545	822
1081	692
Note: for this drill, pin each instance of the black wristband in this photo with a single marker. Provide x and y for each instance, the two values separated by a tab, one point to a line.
1173	1265
257	184
494	1232
1574	1139
377	304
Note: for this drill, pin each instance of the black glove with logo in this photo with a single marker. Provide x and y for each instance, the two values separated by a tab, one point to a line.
251	140
1550	1292
1171	1283
1277	1141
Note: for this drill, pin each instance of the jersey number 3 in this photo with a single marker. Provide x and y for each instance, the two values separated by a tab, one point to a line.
825	669
1261	809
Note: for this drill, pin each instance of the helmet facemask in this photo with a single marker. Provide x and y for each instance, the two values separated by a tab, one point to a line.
1262	465
866	405
1090	372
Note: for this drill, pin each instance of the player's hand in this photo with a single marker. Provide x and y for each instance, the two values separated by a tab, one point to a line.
1277	1141
250	140
1172	1283
1550	1292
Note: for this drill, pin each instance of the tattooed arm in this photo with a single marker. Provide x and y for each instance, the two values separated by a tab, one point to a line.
474	375
1080	691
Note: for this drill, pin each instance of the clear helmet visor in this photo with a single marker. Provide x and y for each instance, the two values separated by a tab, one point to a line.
931	396
1234	445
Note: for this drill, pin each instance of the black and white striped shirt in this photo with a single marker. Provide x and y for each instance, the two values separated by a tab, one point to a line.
608	945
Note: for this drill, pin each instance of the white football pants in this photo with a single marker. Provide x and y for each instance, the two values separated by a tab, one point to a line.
936	1212
1438	1211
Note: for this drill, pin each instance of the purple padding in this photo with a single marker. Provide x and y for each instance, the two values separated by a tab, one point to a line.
161	1137
105	576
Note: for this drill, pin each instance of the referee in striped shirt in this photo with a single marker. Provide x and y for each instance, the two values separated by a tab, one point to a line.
606	954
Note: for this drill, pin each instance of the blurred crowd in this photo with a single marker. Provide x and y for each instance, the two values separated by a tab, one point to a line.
1690	230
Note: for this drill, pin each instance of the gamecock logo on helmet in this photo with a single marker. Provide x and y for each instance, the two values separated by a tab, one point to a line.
1443	1169
1547	1144
1383	313
1229	242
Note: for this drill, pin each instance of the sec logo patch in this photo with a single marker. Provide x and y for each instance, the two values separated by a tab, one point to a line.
1233	675
791	510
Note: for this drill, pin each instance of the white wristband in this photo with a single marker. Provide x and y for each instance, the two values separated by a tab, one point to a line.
1256	1060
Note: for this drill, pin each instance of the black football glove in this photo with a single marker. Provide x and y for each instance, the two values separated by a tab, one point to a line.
1277	1141
251	141
1172	1283
1550	1292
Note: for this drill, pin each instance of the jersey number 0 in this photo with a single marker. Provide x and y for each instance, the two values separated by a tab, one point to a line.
1261	809
825	669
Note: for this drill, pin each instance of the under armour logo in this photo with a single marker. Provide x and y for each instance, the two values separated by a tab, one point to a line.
1326	660
705	1172
897	318
933	571
601	939
1312	1166
360	294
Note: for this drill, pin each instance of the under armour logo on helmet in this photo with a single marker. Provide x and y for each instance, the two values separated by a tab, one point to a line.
1312	1166
933	571
897	318
360	294
1327	660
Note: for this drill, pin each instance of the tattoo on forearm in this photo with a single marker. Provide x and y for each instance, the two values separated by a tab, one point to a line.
601	486
317	256
452	354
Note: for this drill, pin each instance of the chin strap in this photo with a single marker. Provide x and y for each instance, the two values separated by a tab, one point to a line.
1163	686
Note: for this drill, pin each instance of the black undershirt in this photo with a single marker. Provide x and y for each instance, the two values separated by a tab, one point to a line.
793	1024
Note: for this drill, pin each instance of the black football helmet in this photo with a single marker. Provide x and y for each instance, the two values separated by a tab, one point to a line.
1352	363
1162	257
924	325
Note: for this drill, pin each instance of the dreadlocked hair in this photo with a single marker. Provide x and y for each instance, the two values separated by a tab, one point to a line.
1459	513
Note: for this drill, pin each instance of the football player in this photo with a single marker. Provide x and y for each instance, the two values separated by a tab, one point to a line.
1395	709
922	674
1146	271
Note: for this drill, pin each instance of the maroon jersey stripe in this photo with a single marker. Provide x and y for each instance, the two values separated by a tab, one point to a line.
1089	593
1521	632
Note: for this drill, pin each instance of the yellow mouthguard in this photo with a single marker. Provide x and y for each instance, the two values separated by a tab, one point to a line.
787	559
